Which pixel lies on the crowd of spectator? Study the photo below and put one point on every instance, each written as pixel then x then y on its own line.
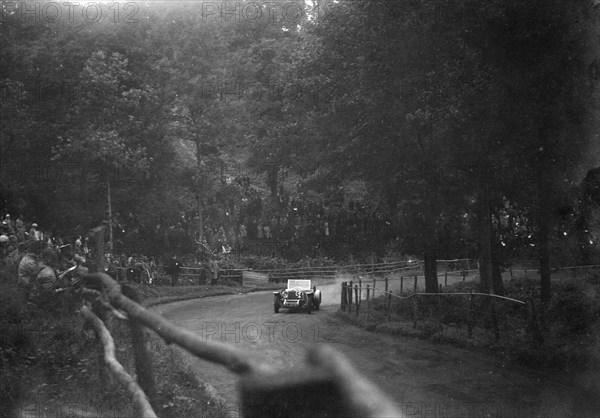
pixel 18 236
pixel 290 220
pixel 228 223
pixel 39 257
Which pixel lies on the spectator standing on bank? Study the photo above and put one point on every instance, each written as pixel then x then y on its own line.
pixel 243 233
pixel 152 269
pixel 11 225
pixel 86 247
pixel 29 267
pixel 214 269
pixel 173 270
pixel 34 234
pixel 19 224
pixel 259 231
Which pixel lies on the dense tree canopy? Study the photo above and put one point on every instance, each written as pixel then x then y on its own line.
pixel 469 126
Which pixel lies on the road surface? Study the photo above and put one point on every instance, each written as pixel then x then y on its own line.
pixel 424 379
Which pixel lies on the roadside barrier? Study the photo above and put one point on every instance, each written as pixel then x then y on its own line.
pixel 330 272
pixel 448 271
pixel 341 390
pixel 409 305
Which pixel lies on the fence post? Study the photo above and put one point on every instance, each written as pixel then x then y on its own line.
pixel 349 287
pixel 511 273
pixel 470 319
pixel 143 362
pixel 373 266
pixel 401 283
pixel 464 274
pixel 368 301
pixel 445 278
pixel 359 290
pixel 416 277
pixel 389 307
pixel 344 298
pixel 103 373
pixel 356 295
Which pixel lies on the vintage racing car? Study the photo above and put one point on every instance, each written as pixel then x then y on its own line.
pixel 299 294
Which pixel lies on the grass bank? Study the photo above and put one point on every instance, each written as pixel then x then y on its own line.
pixel 560 340
pixel 49 363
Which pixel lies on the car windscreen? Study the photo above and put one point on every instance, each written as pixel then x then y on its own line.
pixel 300 284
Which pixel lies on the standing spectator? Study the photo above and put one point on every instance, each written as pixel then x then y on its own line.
pixel 21 229
pixel 86 247
pixel 3 244
pixel 19 223
pixel 173 270
pixel 9 223
pixel 152 270
pixel 28 269
pixel 259 231
pixel 34 234
pixel 214 269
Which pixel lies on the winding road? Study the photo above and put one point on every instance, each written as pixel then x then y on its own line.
pixel 424 379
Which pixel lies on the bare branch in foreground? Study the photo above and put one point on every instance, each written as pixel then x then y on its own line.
pixel 138 395
pixel 366 399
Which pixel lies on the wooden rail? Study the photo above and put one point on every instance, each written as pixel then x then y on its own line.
pixel 352 300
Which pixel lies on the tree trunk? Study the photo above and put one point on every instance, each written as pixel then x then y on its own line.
pixel 430 253
pixel 272 172
pixel 544 203
pixel 544 252
pixel 98 239
pixel 497 284
pixel 485 240
pixel 200 218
